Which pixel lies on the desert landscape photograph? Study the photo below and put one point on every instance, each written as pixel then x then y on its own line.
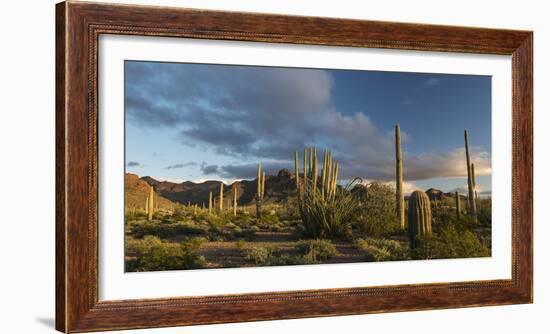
pixel 230 166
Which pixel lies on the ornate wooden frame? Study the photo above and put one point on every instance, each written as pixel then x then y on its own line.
pixel 78 25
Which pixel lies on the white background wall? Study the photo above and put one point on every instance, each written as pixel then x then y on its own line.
pixel 27 70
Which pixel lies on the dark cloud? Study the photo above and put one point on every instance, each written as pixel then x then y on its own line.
pixel 209 169
pixel 133 164
pixel 177 166
pixel 263 114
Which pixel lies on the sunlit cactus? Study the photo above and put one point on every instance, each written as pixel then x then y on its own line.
pixel 151 204
pixel 471 183
pixel 400 207
pixel 419 216
pixel 234 200
pixel 210 202
pixel 221 196
pixel 263 186
pixel 296 170
pixel 259 192
pixel 457 204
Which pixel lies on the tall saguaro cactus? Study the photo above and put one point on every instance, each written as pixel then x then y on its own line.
pixel 399 178
pixel 221 196
pixel 457 204
pixel 235 201
pixel 296 170
pixel 151 204
pixel 420 217
pixel 259 192
pixel 210 203
pixel 471 196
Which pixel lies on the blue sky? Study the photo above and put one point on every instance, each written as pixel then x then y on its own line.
pixel 198 122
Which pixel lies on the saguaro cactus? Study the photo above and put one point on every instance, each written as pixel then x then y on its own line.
pixel 399 178
pixel 471 199
pixel 296 170
pixel 235 201
pixel 263 186
pixel 420 217
pixel 151 204
pixel 457 204
pixel 476 198
pixel 210 203
pixel 259 192
pixel 221 196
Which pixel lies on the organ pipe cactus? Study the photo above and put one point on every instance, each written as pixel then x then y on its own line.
pixel 400 199
pixel 471 195
pixel 419 216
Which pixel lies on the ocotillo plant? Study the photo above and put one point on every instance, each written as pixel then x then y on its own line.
pixel 221 196
pixel 420 217
pixel 151 203
pixel 314 170
pixel 234 200
pixel 471 200
pixel 399 178
pixel 457 204
pixel 210 203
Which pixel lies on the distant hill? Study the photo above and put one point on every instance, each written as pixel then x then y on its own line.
pixel 277 188
pixel 136 191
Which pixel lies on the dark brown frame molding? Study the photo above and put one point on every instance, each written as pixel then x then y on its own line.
pixel 78 25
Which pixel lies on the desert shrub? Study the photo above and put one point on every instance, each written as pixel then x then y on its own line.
pixel 328 218
pixel 484 212
pixel 382 250
pixel 450 241
pixel 377 214
pixel 270 219
pixel 316 250
pixel 167 229
pixel 153 254
pixel 308 252
pixel 247 233
pixel 259 255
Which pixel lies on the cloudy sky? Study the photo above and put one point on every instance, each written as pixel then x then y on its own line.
pixel 197 122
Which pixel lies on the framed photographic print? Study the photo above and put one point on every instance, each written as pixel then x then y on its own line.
pixel 222 166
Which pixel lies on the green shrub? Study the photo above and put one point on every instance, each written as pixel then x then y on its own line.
pixel 167 229
pixel 450 241
pixel 377 217
pixel 316 250
pixel 153 254
pixel 382 250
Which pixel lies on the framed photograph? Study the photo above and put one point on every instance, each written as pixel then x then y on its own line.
pixel 222 167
